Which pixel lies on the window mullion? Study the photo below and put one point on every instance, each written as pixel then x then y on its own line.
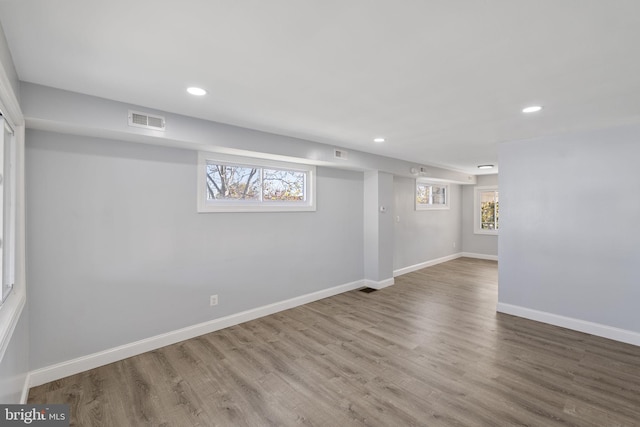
pixel 261 185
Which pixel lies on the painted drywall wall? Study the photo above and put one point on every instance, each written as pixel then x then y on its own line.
pixel 371 229
pixel 7 65
pixel 378 226
pixel 425 235
pixel 118 253
pixel 480 244
pixel 385 226
pixel 15 363
pixel 569 226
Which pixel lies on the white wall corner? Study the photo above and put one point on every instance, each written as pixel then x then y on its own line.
pixel 24 397
pixel 425 264
pixel 91 361
pixel 610 332
pixel 379 285
pixel 479 256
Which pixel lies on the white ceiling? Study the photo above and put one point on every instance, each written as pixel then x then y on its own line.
pixel 443 81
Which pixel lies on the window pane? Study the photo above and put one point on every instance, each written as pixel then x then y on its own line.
pixel 226 182
pixel 283 185
pixel 496 214
pixel 489 210
pixel 487 196
pixel 7 208
pixel 423 194
pixel 439 195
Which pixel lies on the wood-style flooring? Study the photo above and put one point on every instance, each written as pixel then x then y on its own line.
pixel 428 351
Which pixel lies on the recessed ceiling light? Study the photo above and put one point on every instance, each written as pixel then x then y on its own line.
pixel 532 109
pixel 378 140
pixel 485 167
pixel 197 91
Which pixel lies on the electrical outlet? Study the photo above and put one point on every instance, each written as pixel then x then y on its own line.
pixel 213 300
pixel 454 245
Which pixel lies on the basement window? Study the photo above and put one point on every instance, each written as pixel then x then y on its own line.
pixel 430 195
pixel 486 210
pixel 243 184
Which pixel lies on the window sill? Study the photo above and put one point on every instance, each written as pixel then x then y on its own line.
pixel 255 208
pixel 432 208
pixel 486 232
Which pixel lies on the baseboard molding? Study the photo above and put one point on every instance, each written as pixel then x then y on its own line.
pixel 379 285
pixel 479 256
pixel 420 266
pixel 616 334
pixel 91 361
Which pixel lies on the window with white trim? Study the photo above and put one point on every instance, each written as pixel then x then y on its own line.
pixel 243 184
pixel 7 208
pixel 486 210
pixel 430 195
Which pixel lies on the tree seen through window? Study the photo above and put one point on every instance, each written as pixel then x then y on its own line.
pixel 235 182
pixel 489 210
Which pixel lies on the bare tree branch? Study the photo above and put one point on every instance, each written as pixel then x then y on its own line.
pixel 246 187
pixel 213 181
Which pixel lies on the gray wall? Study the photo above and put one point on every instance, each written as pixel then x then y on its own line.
pixel 116 251
pixel 6 62
pixel 378 226
pixel 385 226
pixel 371 229
pixel 15 363
pixel 424 235
pixel 482 244
pixel 570 226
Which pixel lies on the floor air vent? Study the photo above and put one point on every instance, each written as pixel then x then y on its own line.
pixel 367 290
pixel 147 121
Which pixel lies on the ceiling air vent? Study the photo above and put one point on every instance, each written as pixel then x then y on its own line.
pixel 340 154
pixel 147 121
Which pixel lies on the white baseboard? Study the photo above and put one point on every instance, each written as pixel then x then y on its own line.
pixel 379 285
pixel 617 334
pixel 91 361
pixel 420 266
pixel 479 256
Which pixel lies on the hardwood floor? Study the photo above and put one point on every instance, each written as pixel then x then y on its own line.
pixel 428 351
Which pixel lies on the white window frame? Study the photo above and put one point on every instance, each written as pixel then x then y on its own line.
pixel 205 206
pixel 477 218
pixel 12 308
pixel 7 209
pixel 431 206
